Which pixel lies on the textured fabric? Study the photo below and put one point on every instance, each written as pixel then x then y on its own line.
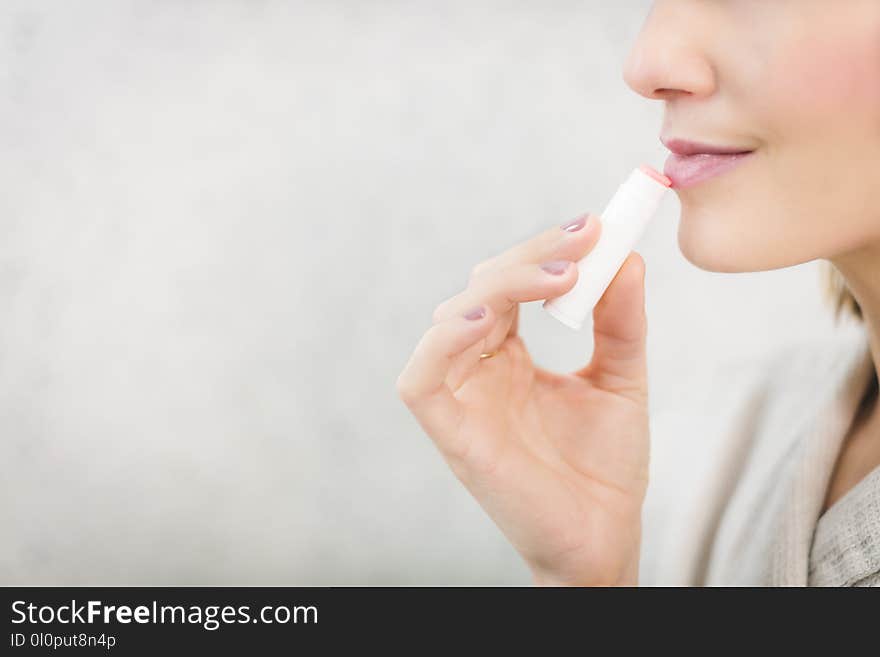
pixel 870 580
pixel 741 464
pixel 846 546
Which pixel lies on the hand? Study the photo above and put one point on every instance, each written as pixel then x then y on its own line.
pixel 558 461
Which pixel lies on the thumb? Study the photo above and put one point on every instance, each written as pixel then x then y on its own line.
pixel 619 333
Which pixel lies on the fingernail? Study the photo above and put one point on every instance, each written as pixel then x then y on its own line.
pixel 555 267
pixel 575 224
pixel 475 313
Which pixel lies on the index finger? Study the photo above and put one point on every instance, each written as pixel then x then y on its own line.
pixel 544 244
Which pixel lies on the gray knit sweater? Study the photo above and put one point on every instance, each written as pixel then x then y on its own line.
pixel 846 545
pixel 740 465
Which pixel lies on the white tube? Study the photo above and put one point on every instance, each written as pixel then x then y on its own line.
pixel 623 222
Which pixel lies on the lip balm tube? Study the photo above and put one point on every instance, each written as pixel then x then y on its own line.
pixel 624 220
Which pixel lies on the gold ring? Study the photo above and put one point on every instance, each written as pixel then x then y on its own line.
pixel 488 355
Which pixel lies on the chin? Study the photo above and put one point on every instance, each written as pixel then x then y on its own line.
pixel 705 243
pixel 721 244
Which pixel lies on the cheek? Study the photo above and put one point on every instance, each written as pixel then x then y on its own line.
pixel 813 98
pixel 822 111
pixel 816 82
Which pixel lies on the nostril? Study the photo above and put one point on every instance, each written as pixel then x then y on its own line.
pixel 666 93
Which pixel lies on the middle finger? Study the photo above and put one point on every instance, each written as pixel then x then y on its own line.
pixel 503 288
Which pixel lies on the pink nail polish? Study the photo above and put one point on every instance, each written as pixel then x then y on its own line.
pixel 475 313
pixel 555 267
pixel 575 224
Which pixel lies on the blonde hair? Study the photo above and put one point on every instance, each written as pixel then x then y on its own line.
pixel 839 294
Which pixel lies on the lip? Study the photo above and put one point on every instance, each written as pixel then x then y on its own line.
pixel 692 162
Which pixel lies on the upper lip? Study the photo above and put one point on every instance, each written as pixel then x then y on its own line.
pixel 686 147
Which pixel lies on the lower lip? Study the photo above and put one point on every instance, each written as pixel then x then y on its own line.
pixel 689 170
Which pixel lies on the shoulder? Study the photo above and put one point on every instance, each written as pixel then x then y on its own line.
pixel 768 380
pixel 710 421
pixel 807 365
pixel 795 381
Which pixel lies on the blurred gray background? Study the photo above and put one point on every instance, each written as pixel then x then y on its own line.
pixel 225 225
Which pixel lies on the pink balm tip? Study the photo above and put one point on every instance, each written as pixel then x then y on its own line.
pixel 656 175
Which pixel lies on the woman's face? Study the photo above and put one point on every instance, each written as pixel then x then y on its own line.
pixel 797 82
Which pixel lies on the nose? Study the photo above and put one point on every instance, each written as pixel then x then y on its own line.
pixel 668 59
